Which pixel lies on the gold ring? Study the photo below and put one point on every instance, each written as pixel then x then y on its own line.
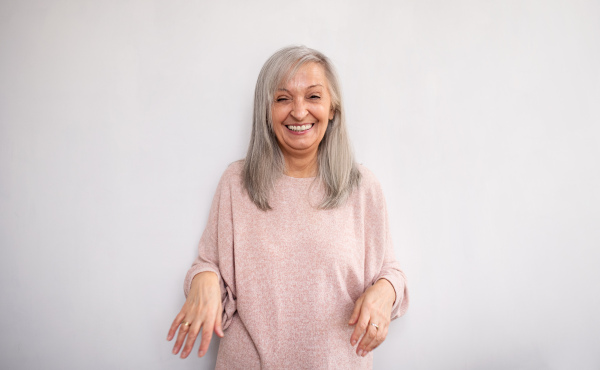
pixel 375 325
pixel 186 324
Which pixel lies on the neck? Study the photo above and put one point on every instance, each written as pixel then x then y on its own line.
pixel 301 165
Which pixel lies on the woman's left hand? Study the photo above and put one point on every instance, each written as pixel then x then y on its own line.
pixel 373 307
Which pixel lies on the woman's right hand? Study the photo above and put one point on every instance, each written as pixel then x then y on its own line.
pixel 202 310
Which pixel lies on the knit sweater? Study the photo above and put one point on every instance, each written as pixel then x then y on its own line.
pixel 290 276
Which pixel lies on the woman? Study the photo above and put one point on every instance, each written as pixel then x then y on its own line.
pixel 296 262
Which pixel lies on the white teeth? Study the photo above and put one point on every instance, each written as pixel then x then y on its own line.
pixel 300 128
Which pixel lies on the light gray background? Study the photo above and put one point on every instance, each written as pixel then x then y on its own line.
pixel 481 119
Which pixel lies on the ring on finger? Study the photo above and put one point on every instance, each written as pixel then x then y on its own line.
pixel 375 325
pixel 186 324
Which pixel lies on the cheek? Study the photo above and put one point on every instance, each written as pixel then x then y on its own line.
pixel 324 113
pixel 325 109
pixel 324 129
pixel 278 115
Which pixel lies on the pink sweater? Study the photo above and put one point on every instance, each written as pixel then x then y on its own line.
pixel 290 276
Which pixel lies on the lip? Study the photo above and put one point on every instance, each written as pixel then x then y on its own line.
pixel 300 132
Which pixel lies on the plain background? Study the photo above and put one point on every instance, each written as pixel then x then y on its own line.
pixel 481 120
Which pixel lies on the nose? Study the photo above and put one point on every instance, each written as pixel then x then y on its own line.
pixel 299 109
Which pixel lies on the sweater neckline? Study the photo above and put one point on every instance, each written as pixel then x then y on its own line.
pixel 298 178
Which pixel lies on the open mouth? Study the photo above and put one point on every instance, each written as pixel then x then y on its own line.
pixel 300 128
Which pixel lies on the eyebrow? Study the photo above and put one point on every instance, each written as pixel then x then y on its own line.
pixel 310 87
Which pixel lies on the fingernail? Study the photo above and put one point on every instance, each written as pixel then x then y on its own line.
pixel 174 352
pixel 353 341
pixel 364 353
pixel 360 352
pixel 184 354
pixel 201 353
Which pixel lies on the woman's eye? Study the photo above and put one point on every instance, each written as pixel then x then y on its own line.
pixel 315 97
pixel 283 98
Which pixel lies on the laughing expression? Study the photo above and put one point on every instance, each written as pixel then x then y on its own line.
pixel 301 111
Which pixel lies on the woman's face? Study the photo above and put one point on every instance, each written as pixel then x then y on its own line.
pixel 301 110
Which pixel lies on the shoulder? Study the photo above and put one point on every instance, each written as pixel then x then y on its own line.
pixel 233 174
pixel 369 189
pixel 234 169
pixel 368 180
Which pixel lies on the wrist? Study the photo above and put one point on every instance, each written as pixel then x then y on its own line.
pixel 204 275
pixel 389 287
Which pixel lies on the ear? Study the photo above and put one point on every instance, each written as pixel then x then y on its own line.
pixel 331 113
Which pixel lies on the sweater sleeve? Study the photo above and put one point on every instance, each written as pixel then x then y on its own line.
pixel 215 249
pixel 380 260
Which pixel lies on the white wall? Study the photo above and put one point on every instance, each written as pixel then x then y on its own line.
pixel 481 120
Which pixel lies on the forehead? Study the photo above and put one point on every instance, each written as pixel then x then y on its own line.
pixel 308 74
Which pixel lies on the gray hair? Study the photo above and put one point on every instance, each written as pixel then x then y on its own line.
pixel 264 162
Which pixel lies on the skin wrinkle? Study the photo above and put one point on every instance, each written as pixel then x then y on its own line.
pixel 305 99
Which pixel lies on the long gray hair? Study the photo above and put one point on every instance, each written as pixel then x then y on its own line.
pixel 265 163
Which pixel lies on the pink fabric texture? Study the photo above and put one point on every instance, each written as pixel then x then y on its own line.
pixel 290 276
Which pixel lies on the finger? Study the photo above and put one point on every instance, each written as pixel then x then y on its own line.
pixel 218 323
pixel 175 325
pixel 381 337
pixel 183 330
pixel 362 348
pixel 191 338
pixel 207 330
pixel 356 311
pixel 361 326
pixel 368 346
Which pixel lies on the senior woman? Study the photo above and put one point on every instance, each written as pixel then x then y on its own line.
pixel 295 268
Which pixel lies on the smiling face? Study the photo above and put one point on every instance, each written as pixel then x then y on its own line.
pixel 301 110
